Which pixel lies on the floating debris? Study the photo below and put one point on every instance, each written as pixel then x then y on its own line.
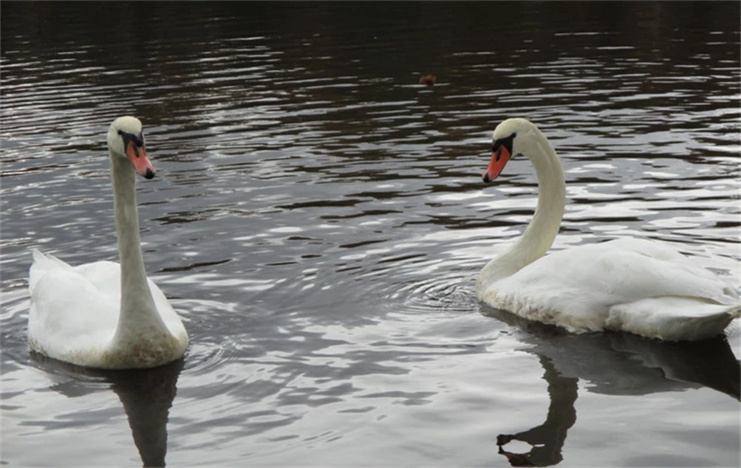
pixel 428 80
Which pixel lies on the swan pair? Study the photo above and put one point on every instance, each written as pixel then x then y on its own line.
pixel 103 315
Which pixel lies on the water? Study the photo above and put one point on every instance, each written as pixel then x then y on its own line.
pixel 318 220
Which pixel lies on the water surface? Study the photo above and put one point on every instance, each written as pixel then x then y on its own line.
pixel 318 220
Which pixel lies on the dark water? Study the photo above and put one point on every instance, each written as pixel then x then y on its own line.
pixel 318 220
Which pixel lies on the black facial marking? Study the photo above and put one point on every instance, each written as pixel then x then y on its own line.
pixel 138 140
pixel 507 142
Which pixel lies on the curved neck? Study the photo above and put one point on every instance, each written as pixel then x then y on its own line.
pixel 543 228
pixel 137 305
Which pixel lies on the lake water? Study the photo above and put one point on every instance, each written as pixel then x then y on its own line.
pixel 318 220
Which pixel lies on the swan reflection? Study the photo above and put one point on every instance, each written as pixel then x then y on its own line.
pixel 146 395
pixel 612 364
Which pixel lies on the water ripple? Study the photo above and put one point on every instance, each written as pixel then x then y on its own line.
pixel 318 220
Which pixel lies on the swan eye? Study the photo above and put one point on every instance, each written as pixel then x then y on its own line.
pixel 507 142
pixel 127 137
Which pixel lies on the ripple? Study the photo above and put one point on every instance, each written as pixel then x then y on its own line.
pixel 451 294
pixel 318 219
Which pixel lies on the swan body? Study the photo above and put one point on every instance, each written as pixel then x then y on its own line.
pixel 634 285
pixel 102 314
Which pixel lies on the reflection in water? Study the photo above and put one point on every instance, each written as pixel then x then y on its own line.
pixel 548 438
pixel 318 207
pixel 613 364
pixel 146 395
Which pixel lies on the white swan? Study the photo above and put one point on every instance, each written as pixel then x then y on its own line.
pixel 633 285
pixel 101 315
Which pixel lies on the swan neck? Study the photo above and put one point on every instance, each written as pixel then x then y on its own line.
pixel 137 303
pixel 543 228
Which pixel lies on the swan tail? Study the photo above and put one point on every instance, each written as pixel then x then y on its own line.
pixel 42 263
pixel 673 318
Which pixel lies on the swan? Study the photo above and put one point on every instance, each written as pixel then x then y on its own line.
pixel 102 315
pixel 633 285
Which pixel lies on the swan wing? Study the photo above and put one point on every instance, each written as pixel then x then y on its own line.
pixel 614 284
pixel 167 312
pixel 673 318
pixel 68 312
pixel 106 277
pixel 637 268
pixel 74 310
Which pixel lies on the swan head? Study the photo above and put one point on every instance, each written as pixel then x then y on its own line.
pixel 126 140
pixel 513 137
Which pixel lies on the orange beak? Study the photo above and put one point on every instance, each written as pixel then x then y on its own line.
pixel 498 160
pixel 138 157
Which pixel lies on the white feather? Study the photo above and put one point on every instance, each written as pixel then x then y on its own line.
pixel 639 286
pixel 79 314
